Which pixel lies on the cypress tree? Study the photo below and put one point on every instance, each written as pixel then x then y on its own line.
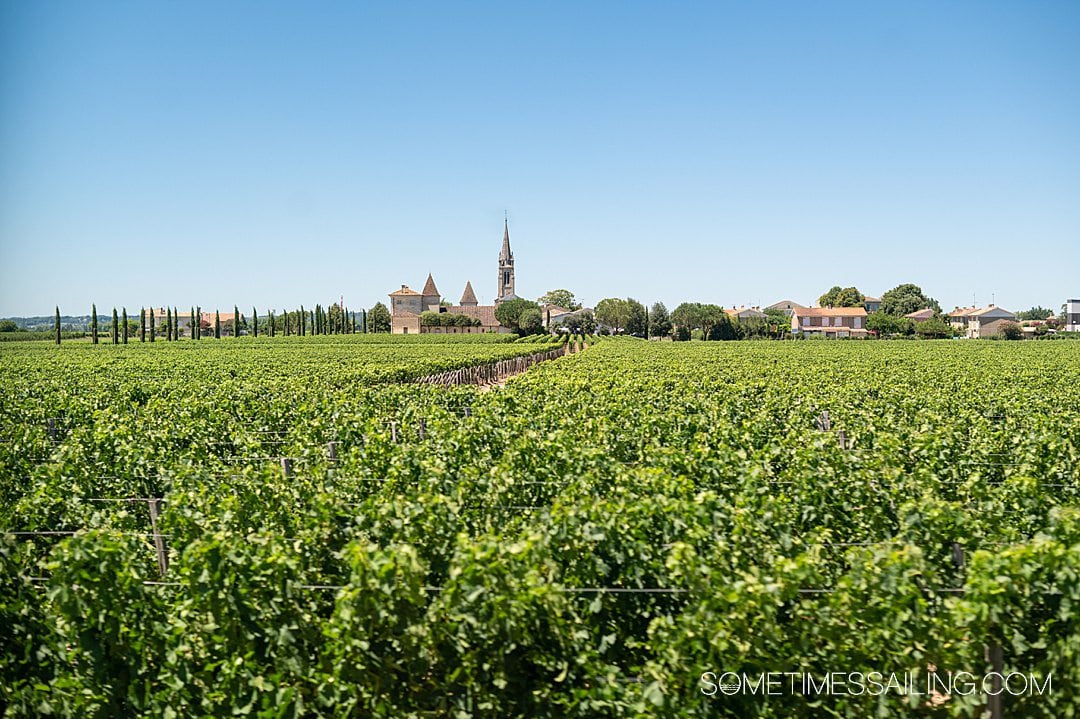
pixel 198 322
pixel 192 325
pixel 93 323
pixel 313 321
pixel 235 321
pixel 115 328
pixel 303 321
pixel 363 319
pixel 142 324
pixel 125 321
pixel 57 325
pixel 270 319
pixel 255 321
pixel 168 324
pixel 153 315
pixel 217 325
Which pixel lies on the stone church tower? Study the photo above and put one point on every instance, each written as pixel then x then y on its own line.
pixel 506 269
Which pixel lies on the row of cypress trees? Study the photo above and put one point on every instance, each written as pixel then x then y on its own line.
pixel 319 321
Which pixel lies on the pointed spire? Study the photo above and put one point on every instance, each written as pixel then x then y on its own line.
pixel 430 290
pixel 468 297
pixel 506 254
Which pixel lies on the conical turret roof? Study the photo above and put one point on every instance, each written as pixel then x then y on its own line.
pixel 430 290
pixel 468 297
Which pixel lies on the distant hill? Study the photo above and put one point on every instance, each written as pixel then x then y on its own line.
pixel 68 323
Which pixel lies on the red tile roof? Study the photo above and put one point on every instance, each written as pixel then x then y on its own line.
pixel 830 311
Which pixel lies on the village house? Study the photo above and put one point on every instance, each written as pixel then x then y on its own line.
pixel 1072 316
pixel 786 306
pixel 832 322
pixel 976 322
pixel 745 313
pixel 920 315
pixel 871 304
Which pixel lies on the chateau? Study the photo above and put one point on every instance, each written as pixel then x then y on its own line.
pixel 407 306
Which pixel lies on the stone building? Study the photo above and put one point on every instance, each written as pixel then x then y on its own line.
pixel 407 305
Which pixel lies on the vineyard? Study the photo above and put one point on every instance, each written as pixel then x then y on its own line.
pixel 304 527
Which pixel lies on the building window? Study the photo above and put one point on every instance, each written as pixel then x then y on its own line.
pixel 858 322
pixel 805 321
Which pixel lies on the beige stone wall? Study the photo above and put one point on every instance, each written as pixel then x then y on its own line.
pixel 405 325
pixel 409 303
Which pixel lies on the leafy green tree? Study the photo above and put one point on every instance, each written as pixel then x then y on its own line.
pixel 93 323
pixel 886 325
pixel 613 312
pixel 659 320
pixel 1035 313
pixel 8 326
pixel 933 328
pixel 637 318
pixel 336 318
pixel 581 322
pixel 686 318
pixel 560 298
pixel 779 322
pixel 718 325
pixel 842 297
pixel 905 299
pixel 530 322
pixel 378 319
pixel 509 313
pixel 1011 331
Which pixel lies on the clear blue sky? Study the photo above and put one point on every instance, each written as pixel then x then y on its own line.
pixel 274 154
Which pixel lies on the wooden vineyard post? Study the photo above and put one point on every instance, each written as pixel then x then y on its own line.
pixel 331 449
pixel 53 434
pixel 159 541
pixel 393 432
pixel 286 467
pixel 423 429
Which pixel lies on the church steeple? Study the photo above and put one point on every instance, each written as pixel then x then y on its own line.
pixel 506 254
pixel 506 268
